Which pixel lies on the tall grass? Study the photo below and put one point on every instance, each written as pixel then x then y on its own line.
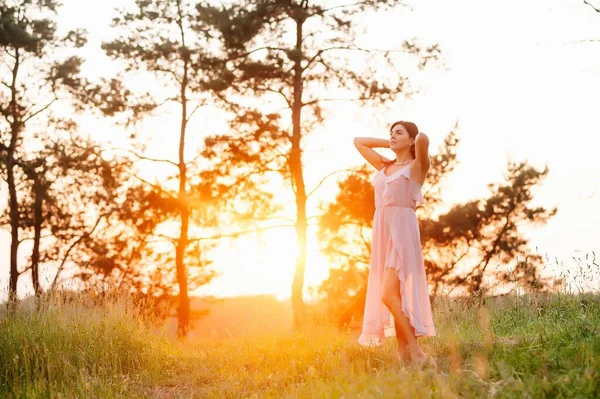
pixel 519 345
pixel 71 347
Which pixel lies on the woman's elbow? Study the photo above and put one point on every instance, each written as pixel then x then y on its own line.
pixel 422 139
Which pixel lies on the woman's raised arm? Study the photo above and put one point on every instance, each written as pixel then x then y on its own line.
pixel 422 152
pixel 422 162
pixel 365 146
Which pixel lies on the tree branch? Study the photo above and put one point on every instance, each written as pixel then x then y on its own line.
pixel 316 100
pixel 167 71
pixel 492 251
pixel 358 3
pixel 73 245
pixel 323 179
pixel 202 104
pixel 322 51
pixel 32 238
pixel 191 162
pixel 367 244
pixel 144 157
pixel 584 41
pixel 166 237
pixel 279 92
pixel 453 265
pixel 589 4
pixel 261 168
pixel 39 111
pixel 261 48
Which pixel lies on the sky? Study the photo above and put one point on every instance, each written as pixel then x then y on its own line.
pixel 522 79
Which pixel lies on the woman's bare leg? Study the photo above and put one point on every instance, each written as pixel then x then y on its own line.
pixel 401 340
pixel 391 298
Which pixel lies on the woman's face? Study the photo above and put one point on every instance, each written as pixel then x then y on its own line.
pixel 399 138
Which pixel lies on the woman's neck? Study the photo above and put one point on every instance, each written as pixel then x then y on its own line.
pixel 403 157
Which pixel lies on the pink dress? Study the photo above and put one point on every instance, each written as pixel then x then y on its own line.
pixel 396 243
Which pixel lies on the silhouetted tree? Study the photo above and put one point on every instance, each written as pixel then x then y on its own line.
pixel 165 41
pixel 485 229
pixel 33 78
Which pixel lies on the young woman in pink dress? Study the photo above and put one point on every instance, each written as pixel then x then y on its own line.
pixel 397 292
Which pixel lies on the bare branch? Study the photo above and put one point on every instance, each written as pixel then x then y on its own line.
pixel 154 186
pixel 316 100
pixel 262 48
pixel 491 252
pixel 323 51
pixel 202 104
pixel 40 110
pixel 319 54
pixel 73 245
pixel 589 4
pixel 324 178
pixel 144 157
pixel 584 41
pixel 364 240
pixel 169 72
pixel 309 35
pixel 195 159
pixel 461 256
pixel 358 3
pixel 261 168
pixel 279 92
pixel 166 237
pixel 32 238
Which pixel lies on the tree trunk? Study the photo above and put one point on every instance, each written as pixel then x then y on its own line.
pixel 183 312
pixel 14 223
pixel 13 203
pixel 184 303
pixel 298 306
pixel 37 226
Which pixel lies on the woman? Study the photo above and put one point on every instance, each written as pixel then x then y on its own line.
pixel 397 287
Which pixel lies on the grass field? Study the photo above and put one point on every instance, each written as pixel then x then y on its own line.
pixel 514 346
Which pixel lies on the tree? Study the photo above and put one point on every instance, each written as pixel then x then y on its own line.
pixel 35 80
pixel 165 42
pixel 158 37
pixel 68 189
pixel 458 245
pixel 285 56
pixel 484 229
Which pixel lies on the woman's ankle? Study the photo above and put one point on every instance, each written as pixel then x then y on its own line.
pixel 415 350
